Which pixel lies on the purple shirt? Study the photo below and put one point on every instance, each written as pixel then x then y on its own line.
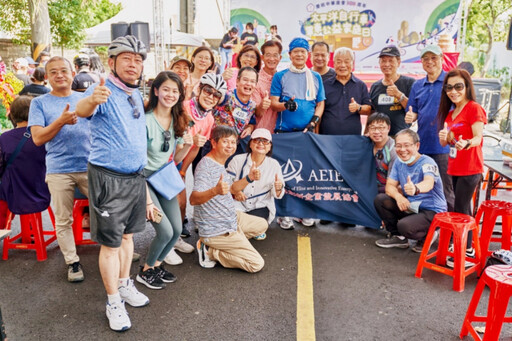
pixel 23 182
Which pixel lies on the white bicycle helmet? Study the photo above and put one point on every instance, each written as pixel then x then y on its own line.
pixel 215 81
pixel 127 44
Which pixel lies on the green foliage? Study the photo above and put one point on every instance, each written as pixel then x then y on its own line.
pixel 68 19
pixel 5 123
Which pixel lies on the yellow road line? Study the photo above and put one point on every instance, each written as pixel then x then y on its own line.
pixel 305 301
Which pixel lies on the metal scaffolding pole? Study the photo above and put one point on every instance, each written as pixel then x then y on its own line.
pixel 158 29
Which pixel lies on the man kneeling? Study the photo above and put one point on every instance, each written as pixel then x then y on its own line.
pixel 223 230
pixel 414 194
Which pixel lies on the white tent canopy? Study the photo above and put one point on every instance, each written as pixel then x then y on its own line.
pixel 133 11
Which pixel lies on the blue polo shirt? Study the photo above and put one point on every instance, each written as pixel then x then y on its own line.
pixel 285 85
pixel 424 99
pixel 337 119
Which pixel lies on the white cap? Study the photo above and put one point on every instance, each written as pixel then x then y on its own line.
pixel 22 61
pixel 261 133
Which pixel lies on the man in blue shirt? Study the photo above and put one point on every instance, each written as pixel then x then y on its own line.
pixel 53 122
pixel 423 105
pixel 414 194
pixel 346 98
pixel 117 189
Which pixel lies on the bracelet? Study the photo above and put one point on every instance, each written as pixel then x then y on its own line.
pixel 402 98
pixel 417 190
pixel 151 203
pixel 248 179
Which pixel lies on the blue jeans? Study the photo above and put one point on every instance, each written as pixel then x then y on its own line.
pixel 225 57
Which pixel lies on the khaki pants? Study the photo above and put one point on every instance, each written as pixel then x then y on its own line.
pixel 62 189
pixel 233 250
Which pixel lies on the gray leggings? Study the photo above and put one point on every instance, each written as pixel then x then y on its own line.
pixel 167 231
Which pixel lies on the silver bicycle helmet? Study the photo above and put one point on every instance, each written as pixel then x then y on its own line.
pixel 127 44
pixel 215 81
pixel 82 59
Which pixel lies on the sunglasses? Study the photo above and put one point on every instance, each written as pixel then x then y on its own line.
pixel 379 155
pixel 136 113
pixel 264 142
pixel 458 87
pixel 167 138
pixel 211 91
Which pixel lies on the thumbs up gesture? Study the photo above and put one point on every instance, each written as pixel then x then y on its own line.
pixel 265 102
pixel 443 134
pixel 222 187
pixel 410 116
pixel 68 117
pixel 101 93
pixel 278 185
pixel 461 143
pixel 187 139
pixel 392 90
pixel 353 106
pixel 409 187
pixel 199 140
pixel 254 173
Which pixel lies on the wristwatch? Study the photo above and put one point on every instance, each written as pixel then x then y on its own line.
pixel 469 144
pixel 402 98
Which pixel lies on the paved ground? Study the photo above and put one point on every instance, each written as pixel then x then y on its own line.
pixel 361 292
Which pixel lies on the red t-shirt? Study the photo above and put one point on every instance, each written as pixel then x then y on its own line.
pixel 467 161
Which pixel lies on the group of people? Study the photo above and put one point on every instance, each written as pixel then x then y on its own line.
pixel 107 141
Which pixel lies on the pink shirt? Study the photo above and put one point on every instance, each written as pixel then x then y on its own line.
pixel 268 120
pixel 204 124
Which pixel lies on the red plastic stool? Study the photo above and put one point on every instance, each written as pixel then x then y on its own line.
pixel 499 280
pixel 491 210
pixel 78 216
pixel 32 235
pixel 458 225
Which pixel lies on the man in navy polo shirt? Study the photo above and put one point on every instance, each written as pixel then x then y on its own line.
pixel 346 98
pixel 423 105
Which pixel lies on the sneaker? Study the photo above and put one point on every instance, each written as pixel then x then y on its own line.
pixel 150 278
pixel 419 244
pixel 285 223
pixel 75 273
pixel 204 259
pixel 260 237
pixel 132 296
pixel 393 241
pixel 185 233
pixel 118 316
pixel 135 257
pixel 467 264
pixel 173 258
pixel 183 246
pixel 308 222
pixel 165 275
pixel 325 222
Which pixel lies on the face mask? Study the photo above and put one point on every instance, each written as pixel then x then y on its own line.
pixel 408 162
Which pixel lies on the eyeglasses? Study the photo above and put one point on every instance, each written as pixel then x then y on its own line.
pixel 136 113
pixel 271 55
pixel 203 58
pixel 404 146
pixel 458 87
pixel 264 142
pixel 248 80
pixel 249 56
pixel 167 138
pixel 430 59
pixel 377 128
pixel 212 92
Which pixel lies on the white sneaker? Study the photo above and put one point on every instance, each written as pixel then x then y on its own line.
pixel 132 296
pixel 308 222
pixel 204 259
pixel 183 246
pixel 118 316
pixel 173 258
pixel 285 223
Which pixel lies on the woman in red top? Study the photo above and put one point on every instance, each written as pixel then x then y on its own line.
pixel 463 123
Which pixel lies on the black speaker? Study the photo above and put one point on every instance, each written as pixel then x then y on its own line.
pixel 509 40
pixel 141 31
pixel 119 29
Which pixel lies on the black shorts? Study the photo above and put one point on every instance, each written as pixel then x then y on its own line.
pixel 117 204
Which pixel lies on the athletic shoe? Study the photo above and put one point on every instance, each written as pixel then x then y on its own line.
pixel 117 315
pixel 173 258
pixel 467 264
pixel 325 222
pixel 394 241
pixel 132 296
pixel 185 233
pixel 260 237
pixel 150 278
pixel 75 272
pixel 183 246
pixel 165 275
pixel 286 223
pixel 419 244
pixel 204 259
pixel 308 222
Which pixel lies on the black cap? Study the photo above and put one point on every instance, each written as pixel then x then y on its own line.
pixel 391 51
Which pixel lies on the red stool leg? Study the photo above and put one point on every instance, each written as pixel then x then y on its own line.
pixel 444 243
pixel 470 314
pixel 35 222
pixel 424 251
pixel 459 257
pixel 506 231
pixel 497 308
pixel 489 220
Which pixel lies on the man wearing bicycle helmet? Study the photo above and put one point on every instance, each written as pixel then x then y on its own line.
pixel 117 189
pixel 84 78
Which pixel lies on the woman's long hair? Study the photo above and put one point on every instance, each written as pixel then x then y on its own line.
pixel 180 118
pixel 201 49
pixel 246 49
pixel 446 103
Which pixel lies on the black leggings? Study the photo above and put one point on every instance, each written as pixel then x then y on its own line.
pixel 262 212
pixel 464 187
